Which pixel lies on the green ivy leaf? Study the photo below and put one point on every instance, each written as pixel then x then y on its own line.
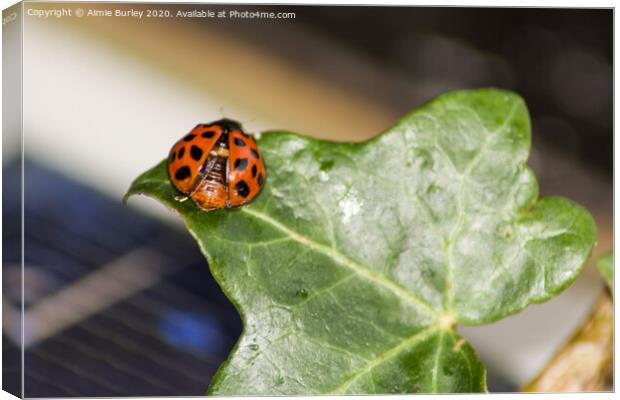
pixel 353 266
pixel 605 265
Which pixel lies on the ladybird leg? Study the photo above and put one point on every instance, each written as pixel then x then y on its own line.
pixel 208 165
pixel 181 199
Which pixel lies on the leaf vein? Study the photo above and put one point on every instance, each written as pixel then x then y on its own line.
pixel 436 364
pixel 459 349
pixel 448 291
pixel 385 356
pixel 346 262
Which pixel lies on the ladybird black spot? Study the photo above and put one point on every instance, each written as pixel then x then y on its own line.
pixel 239 142
pixel 254 170
pixel 255 153
pixel 241 164
pixel 182 173
pixel 260 180
pixel 181 152
pixel 195 152
pixel 208 134
pixel 189 137
pixel 242 189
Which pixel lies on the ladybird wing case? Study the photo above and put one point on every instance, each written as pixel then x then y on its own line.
pixel 246 169
pixel 188 155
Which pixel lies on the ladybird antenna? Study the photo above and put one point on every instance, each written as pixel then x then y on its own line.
pixel 222 113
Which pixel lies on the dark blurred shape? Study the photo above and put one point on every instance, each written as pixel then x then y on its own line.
pixel 166 338
pixel 449 60
pixel 575 77
pixel 559 60
pixel 11 281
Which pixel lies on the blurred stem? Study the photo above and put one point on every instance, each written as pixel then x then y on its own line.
pixel 585 363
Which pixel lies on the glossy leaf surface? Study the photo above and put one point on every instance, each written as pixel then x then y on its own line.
pixel 353 266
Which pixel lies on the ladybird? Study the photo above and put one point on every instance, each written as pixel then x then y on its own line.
pixel 217 165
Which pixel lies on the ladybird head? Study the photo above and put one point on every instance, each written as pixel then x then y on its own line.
pixel 228 124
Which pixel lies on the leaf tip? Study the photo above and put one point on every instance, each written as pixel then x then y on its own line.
pixel 126 198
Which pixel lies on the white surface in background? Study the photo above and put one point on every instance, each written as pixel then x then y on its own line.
pixel 103 118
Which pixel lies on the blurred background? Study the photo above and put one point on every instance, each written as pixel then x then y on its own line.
pixel 118 299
